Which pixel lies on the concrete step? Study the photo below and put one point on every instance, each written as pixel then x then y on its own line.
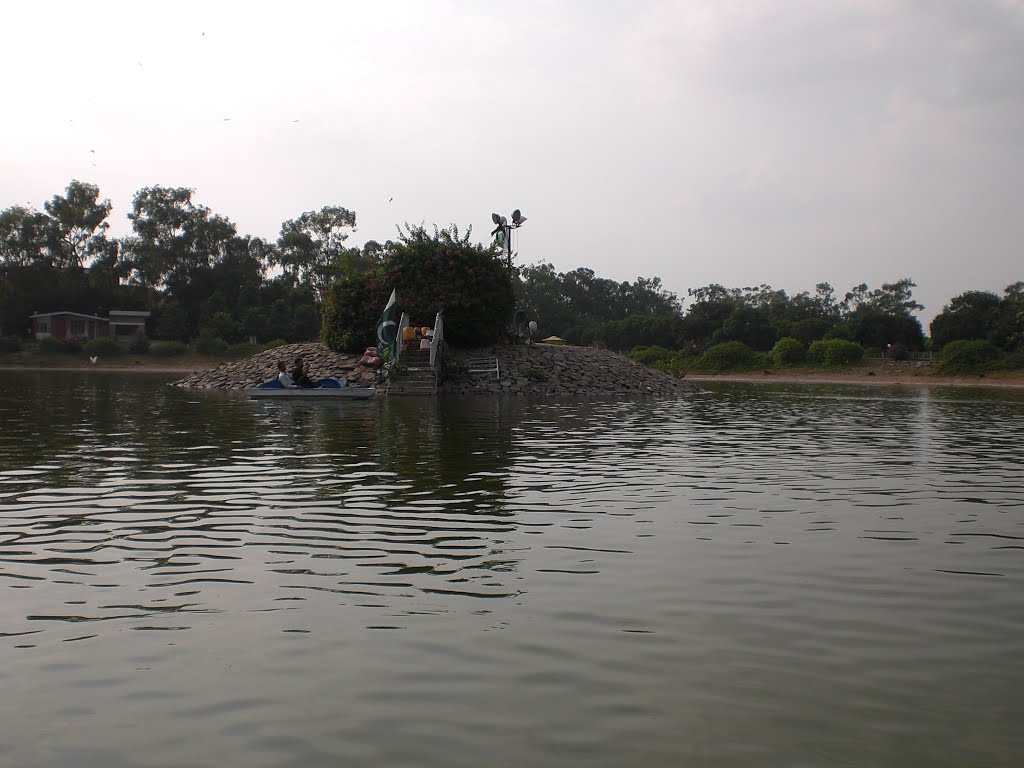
pixel 399 389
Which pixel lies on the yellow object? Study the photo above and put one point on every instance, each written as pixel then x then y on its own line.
pixel 424 330
pixel 409 334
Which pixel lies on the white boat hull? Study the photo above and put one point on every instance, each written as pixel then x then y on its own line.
pixel 356 393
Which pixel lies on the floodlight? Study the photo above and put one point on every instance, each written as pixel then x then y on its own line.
pixel 496 218
pixel 516 215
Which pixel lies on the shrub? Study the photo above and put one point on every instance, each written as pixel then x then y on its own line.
pixel 102 346
pixel 727 356
pixel 471 284
pixel 10 344
pixel 50 346
pixel 969 356
pixel 788 351
pixel 835 352
pixel 139 344
pixel 168 349
pixel 221 325
pixel 898 351
pixel 651 355
pixel 274 343
pixel 535 374
pixel 211 346
pixel 243 349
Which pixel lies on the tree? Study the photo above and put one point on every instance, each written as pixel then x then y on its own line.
pixel 25 238
pixel 176 245
pixel 79 221
pixel 312 247
pixel 890 299
pixel 971 315
pixel 442 272
pixel 174 238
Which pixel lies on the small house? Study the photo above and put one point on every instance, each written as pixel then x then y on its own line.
pixel 122 325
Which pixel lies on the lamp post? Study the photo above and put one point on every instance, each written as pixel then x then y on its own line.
pixel 503 231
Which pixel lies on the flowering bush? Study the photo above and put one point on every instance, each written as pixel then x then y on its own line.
pixel 435 273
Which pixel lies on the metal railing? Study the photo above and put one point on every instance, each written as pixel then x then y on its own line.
pixel 402 325
pixel 438 340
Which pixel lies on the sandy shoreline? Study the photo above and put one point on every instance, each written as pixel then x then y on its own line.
pixel 140 368
pixel 1002 380
pixel 782 377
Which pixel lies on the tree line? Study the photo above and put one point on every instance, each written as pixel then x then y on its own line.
pixel 583 309
pixel 186 264
pixel 199 277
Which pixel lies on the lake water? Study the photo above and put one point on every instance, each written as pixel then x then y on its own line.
pixel 761 575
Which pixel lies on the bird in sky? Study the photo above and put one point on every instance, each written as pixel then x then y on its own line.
pixel 295 121
pixel 390 199
pixel 93 151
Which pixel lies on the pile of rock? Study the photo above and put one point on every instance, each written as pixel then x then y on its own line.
pixel 263 366
pixel 539 369
pixel 543 369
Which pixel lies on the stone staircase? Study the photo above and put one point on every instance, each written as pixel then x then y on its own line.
pixel 416 378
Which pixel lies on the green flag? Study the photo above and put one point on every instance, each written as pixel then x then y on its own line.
pixel 387 328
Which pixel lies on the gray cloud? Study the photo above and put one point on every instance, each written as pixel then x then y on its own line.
pixel 732 142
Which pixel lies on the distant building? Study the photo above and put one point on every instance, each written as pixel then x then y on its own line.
pixel 122 325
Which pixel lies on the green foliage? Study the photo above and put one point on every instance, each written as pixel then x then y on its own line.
pixel 351 308
pixel 662 330
pixel 649 356
pixel 139 344
pixel 311 248
pixel 171 322
pixel 431 273
pixel 664 360
pixel 274 343
pixel 872 327
pixel 727 356
pixel 535 374
pixel 221 325
pixel 51 346
pixel 559 302
pixel 168 349
pixel 788 351
pixel 834 353
pixel 969 356
pixel 1013 362
pixel 209 345
pixel 10 344
pixel 897 351
pixel 809 329
pixel 102 346
pixel 243 349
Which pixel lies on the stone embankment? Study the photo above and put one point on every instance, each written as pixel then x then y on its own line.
pixel 542 369
pixel 239 374
pixel 539 369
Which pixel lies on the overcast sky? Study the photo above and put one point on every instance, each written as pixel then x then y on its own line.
pixel 788 142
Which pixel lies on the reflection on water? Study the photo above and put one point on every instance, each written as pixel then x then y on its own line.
pixel 769 575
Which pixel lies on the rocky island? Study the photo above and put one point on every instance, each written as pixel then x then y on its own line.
pixel 538 369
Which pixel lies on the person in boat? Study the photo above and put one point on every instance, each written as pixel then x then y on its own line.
pixel 282 375
pixel 300 374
